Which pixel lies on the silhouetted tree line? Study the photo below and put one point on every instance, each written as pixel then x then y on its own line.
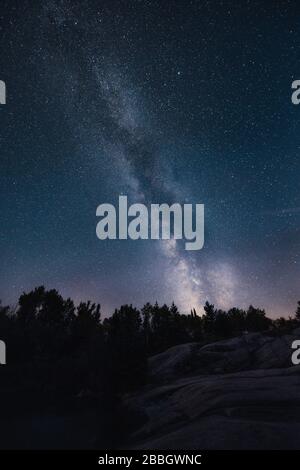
pixel 70 350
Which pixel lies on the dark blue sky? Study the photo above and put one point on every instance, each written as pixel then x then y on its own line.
pixel 184 101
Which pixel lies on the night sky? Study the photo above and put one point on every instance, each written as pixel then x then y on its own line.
pixel 186 101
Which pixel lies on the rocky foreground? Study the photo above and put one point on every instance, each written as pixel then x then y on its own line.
pixel 242 393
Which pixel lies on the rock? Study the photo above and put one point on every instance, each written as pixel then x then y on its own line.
pixel 251 351
pixel 246 410
pixel 240 393
pixel 172 361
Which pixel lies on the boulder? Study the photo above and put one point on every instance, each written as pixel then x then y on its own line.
pixel 241 393
pixel 246 352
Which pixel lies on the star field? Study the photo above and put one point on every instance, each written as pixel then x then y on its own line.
pixel 164 102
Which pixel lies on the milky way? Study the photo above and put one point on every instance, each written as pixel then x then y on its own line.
pixel 174 102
